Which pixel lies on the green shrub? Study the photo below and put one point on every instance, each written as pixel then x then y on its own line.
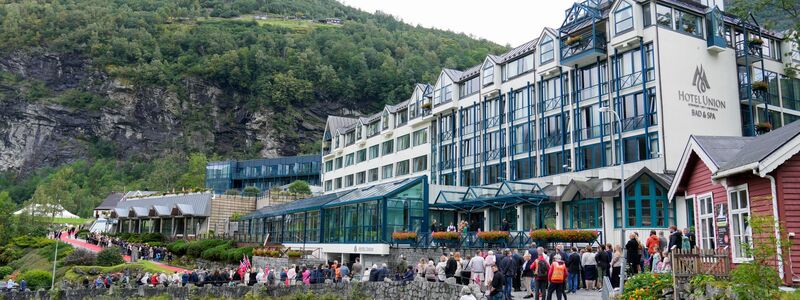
pixel 217 253
pixel 82 234
pixel 755 281
pixel 196 248
pixel 36 279
pixel 236 254
pixel 27 241
pixel 299 187
pixel 80 257
pixel 251 191
pixel 9 254
pixel 109 257
pixel 5 271
pixel 646 286
pixel 154 237
pixel 178 247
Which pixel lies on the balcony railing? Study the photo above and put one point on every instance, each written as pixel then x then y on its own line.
pixel 517 239
pixel 492 154
pixel 592 132
pixel 636 122
pixel 519 113
pixel 587 42
pixel 629 80
pixel 556 139
pixel 551 104
pixel 493 121
pixel 446 164
pixel 743 49
pixel 446 136
pixel 591 92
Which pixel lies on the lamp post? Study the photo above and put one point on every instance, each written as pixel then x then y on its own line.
pixel 622 185
pixel 55 255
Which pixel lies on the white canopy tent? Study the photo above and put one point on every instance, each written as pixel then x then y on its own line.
pixel 47 211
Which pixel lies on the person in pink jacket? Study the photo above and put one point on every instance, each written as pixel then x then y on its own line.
pixel 306 276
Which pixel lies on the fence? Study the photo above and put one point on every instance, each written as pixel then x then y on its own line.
pixel 688 263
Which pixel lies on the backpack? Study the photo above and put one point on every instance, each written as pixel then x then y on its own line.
pixel 558 273
pixel 541 268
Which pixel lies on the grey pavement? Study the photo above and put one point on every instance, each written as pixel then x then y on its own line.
pixel 579 295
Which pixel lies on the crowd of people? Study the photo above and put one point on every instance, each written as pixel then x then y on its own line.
pixel 134 250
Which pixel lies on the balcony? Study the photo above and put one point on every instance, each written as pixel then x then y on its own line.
pixel 583 48
pixel 551 104
pixel 592 132
pixel 554 139
pixel 747 53
pixel 493 121
pixel 492 154
pixel 446 136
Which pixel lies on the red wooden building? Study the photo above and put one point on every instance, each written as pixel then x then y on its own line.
pixel 724 180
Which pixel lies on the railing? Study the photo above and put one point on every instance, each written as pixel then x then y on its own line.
pixel 517 240
pixel 689 263
pixel 445 136
pixel 492 154
pixel 551 104
pixel 519 113
pixel 587 41
pixel 743 48
pixel 553 140
pixel 590 92
pixel 626 81
pixel 493 121
pixel 446 164
pixel 592 132
pixel 636 122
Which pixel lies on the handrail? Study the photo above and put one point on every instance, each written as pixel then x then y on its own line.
pixel 518 239
pixel 585 41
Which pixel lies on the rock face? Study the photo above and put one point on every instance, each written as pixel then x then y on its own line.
pixel 140 121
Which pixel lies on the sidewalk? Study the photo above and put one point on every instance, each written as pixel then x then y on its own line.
pixel 96 248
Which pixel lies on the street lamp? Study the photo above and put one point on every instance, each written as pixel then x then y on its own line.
pixel 55 255
pixel 604 109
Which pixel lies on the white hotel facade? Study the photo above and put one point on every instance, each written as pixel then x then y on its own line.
pixel 668 68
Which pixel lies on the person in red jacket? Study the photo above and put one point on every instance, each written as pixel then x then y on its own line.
pixel 652 244
pixel 557 275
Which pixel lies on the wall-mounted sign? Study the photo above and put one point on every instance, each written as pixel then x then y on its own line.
pixel 723 232
pixel 701 105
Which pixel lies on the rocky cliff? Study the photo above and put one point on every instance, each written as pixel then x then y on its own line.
pixel 43 121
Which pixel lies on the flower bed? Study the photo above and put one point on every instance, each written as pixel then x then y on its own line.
pixel 760 85
pixel 445 236
pixel 566 235
pixel 294 254
pixel 268 252
pixel 404 236
pixel 494 236
pixel 647 286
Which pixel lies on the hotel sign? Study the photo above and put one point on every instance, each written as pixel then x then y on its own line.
pixel 701 105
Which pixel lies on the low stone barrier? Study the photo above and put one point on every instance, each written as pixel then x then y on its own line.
pixel 368 290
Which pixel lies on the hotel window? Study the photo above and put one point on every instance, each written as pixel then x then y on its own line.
pixel 338 163
pixel 385 120
pixel 348 180
pixel 646 15
pixel 521 109
pixel 361 177
pixel 583 214
pixel 361 155
pixel 546 48
pixel 647 205
pixel 388 147
pixel 328 185
pixel 421 163
pixel 348 160
pixel 374 151
pixel 689 23
pixel 373 129
pixel 488 74
pixel 403 142
pixel 524 168
pixel 373 175
pixel 635 149
pixel 358 132
pixel 401 118
pixel 350 138
pixel 624 18
pixel 470 177
pixel 522 141
pixel 469 87
pixel 554 163
pixel 420 137
pixel 706 216
pixel 740 222
pixel 338 183
pixel 494 173
pixel 590 83
pixel 664 16
pixel 590 157
pixel 387 171
pixel 517 67
pixel 402 168
pixel 329 166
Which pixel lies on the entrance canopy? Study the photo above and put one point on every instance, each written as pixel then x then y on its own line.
pixel 509 193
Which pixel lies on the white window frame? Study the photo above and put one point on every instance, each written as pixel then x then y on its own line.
pixel 748 231
pixel 700 216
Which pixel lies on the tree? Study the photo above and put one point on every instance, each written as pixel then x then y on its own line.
pixel 251 191
pixel 195 172
pixel 299 187
pixel 6 209
pixel 109 257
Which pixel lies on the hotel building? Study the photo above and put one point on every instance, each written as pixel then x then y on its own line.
pixel 521 136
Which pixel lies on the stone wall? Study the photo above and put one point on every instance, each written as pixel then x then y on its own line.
pixel 368 290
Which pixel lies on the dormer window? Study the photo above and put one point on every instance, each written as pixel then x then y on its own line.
pixel 624 18
pixel 488 74
pixel 546 55
pixel 385 120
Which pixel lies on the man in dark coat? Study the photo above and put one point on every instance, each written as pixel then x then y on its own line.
pixel 633 254
pixel 675 238
pixel 508 267
pixel 450 267
pixel 518 274
pixel 574 270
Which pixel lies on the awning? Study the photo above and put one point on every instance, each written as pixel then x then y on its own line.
pixel 509 193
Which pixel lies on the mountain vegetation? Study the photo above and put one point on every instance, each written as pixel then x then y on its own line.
pixel 190 80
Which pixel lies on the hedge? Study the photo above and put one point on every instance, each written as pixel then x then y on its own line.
pixel 236 254
pixel 48 251
pixel 5 271
pixel 178 247
pixel 109 257
pixel 217 253
pixel 196 248
pixel 36 279
pixel 80 257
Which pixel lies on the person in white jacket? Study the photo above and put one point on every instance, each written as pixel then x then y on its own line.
pixel 488 262
pixel 440 275
pixel 261 277
pixel 291 274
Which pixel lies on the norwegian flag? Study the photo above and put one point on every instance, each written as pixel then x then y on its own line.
pixel 247 262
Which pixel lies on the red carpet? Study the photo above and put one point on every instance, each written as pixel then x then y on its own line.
pixel 96 248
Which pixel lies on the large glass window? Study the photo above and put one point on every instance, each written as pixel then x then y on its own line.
pixel 494 173
pixel 329 166
pixel 401 118
pixel 361 155
pixel 517 67
pixel 388 147
pixel 498 216
pixel 524 168
pixel 348 180
pixel 624 18
pixel 373 129
pixel 373 174
pixel 348 160
pixel 488 73
pixel 469 87
pixel 689 23
pixel 554 163
pixel 361 177
pixel 522 139
pixel 374 151
pixel 421 163
pixel 387 171
pixel 420 137
pixel 470 177
pixel 583 214
pixel 339 163
pixel 546 50
pixel 403 142
pixel 741 233
pixel 647 205
pixel 664 16
pixel 402 168
pixel 706 216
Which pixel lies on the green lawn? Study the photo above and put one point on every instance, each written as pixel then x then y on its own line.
pixel 71 221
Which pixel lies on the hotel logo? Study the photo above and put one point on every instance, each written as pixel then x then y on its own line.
pixel 700 81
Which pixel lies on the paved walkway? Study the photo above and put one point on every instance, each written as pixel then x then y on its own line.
pixel 580 295
pixel 95 248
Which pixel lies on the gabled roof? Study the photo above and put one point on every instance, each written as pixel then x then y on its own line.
pixel 335 123
pixel 110 201
pixel 592 188
pixel 664 180
pixel 726 156
pixel 196 204
pixel 453 74
pixel 518 51
pixel 470 73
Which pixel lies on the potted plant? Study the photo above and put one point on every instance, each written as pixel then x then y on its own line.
pixel 403 236
pixel 566 235
pixel 760 86
pixel 763 127
pixel 426 105
pixel 756 42
pixel 573 41
pixel 493 236
pixel 443 236
pixel 294 254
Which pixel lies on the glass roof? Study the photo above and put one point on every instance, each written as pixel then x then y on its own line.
pixel 509 192
pixel 375 191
